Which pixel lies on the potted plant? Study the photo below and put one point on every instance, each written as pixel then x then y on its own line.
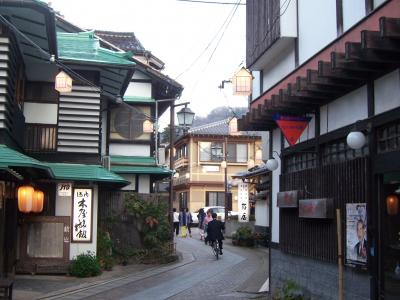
pixel 245 236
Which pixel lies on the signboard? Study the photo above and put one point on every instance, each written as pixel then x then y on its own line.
pixel 316 208
pixel 243 202
pixel 210 169
pixel 356 233
pixel 291 126
pixel 82 215
pixel 288 199
pixel 64 189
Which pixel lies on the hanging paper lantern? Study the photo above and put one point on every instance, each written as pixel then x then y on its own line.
pixel 25 198
pixel 392 204
pixel 147 126
pixel 242 82
pixel 63 83
pixel 37 203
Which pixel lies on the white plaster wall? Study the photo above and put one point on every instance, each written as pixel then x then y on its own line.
pixel 279 67
pixel 378 2
pixel 353 11
pixel 317 26
pixel 140 75
pixel 64 208
pixel 344 111
pixel 132 179
pixel 387 92
pixel 42 113
pixel 139 89
pixel 256 84
pixel 144 184
pixel 288 19
pixel 276 146
pixel 129 150
pixel 262 213
pixel 103 133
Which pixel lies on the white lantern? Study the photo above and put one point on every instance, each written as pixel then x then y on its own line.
pixel 63 82
pixel 233 128
pixel 356 140
pixel 147 126
pixel 242 82
pixel 223 164
pixel 272 164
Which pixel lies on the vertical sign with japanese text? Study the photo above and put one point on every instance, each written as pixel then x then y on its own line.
pixel 243 202
pixel 82 215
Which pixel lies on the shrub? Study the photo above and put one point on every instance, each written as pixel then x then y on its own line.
pixel 85 265
pixel 104 250
pixel 244 233
pixel 289 291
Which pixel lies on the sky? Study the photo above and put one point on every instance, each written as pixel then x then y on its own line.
pixel 193 38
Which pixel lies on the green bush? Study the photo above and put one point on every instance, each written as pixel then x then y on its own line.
pixel 289 291
pixel 244 233
pixel 104 250
pixel 85 265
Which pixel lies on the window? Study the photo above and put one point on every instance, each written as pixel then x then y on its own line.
pixel 182 151
pixel 389 138
pixel 237 153
pixel 127 124
pixel 210 151
pixel 215 199
pixel 339 151
pixel 183 200
pixel 300 161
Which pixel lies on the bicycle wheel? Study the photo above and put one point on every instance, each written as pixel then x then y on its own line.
pixel 215 249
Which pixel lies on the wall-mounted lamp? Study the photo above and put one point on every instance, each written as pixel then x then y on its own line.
pixel 63 82
pixel 272 163
pixel 356 140
pixel 223 164
pixel 242 82
pixel 392 204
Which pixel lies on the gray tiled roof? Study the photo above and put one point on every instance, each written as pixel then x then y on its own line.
pixel 126 41
pixel 218 128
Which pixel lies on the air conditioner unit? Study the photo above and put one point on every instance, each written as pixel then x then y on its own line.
pixel 106 162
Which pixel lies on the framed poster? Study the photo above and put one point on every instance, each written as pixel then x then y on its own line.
pixel 356 234
pixel 82 215
pixel 243 202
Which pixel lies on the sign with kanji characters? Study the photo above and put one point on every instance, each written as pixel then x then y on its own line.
pixel 291 126
pixel 82 215
pixel 64 189
pixel 243 202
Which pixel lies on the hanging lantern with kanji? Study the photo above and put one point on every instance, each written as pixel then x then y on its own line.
pixel 242 82
pixel 63 82
pixel 25 198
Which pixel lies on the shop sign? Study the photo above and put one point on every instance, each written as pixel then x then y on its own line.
pixel 82 215
pixel 288 199
pixel 243 202
pixel 64 189
pixel 210 169
pixel 316 208
pixel 356 234
pixel 291 126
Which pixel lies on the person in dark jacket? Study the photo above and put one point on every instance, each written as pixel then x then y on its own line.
pixel 200 216
pixel 214 231
pixel 189 221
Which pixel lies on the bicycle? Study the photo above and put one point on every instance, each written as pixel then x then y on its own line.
pixel 215 248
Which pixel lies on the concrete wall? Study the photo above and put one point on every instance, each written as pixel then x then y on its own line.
pixel 233 225
pixel 64 208
pixel 319 279
pixel 144 184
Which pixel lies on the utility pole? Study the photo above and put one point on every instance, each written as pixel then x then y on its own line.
pixel 171 161
pixel 226 177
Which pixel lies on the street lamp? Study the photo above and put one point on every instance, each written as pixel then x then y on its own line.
pixel 185 117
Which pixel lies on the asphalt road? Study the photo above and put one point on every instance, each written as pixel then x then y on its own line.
pixel 238 274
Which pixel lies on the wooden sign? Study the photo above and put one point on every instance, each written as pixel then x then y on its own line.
pixel 316 208
pixel 82 215
pixel 243 202
pixel 289 199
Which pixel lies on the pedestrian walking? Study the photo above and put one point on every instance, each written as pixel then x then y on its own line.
pixel 207 219
pixel 183 222
pixel 189 221
pixel 176 221
pixel 200 216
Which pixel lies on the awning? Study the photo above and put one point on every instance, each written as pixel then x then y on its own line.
pixel 138 165
pixel 81 172
pixel 14 161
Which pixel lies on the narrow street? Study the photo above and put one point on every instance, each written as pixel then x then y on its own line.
pixel 239 274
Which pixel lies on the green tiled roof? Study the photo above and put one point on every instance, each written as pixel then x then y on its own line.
pixel 85 47
pixel 96 173
pixel 10 158
pixel 140 170
pixel 133 160
pixel 138 99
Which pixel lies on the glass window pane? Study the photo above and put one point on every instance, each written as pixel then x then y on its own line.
pixel 231 152
pixel 205 151
pixel 241 152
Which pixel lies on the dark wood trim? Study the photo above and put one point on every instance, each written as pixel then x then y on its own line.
pixel 369 6
pixel 339 17
pixel 91 217
pixel 296 41
pixel 130 142
pixel 142 80
pixel 371 98
pixel 261 82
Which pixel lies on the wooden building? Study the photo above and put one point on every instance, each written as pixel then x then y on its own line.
pixel 336 62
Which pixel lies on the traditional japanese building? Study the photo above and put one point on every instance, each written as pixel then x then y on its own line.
pixel 335 63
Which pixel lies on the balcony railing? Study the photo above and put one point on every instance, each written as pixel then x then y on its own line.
pixel 181 162
pixel 180 180
pixel 41 138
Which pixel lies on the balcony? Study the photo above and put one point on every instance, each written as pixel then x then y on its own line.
pixel 180 180
pixel 181 162
pixel 40 138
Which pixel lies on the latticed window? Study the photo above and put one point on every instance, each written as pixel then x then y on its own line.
pixel 389 138
pixel 339 151
pixel 300 161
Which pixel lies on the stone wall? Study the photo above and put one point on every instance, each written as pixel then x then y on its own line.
pixel 318 279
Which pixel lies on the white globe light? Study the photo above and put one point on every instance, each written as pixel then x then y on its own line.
pixel 356 140
pixel 272 164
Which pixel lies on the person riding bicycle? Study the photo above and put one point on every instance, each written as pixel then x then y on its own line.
pixel 214 231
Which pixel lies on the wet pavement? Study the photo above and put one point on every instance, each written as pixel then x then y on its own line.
pixel 240 274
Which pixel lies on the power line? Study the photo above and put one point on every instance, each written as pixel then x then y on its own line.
pixel 211 2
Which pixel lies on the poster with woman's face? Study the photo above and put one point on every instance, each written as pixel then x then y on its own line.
pixel 356 233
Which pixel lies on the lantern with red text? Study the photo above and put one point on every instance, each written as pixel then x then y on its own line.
pixel 25 198
pixel 37 202
pixel 392 204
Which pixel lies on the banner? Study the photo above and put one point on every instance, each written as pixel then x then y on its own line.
pixel 82 215
pixel 243 202
pixel 356 233
pixel 291 127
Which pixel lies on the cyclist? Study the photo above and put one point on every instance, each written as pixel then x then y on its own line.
pixel 214 231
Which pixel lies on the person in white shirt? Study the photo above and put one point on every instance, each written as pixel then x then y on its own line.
pixel 176 221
